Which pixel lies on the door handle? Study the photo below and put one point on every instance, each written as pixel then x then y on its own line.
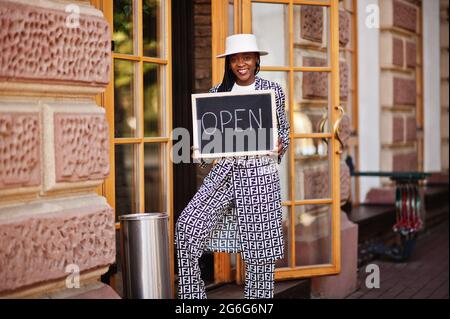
pixel 321 125
pixel 336 128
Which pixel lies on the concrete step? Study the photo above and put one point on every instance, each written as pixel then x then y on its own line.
pixel 290 289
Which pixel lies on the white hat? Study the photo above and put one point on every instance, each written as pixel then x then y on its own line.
pixel 239 43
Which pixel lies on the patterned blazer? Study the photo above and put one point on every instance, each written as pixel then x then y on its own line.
pixel 253 225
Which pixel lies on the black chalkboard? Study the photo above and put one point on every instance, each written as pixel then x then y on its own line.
pixel 234 124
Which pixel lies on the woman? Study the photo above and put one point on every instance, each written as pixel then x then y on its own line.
pixel 238 206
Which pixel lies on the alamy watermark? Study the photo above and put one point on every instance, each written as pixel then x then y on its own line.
pixel 73 19
pixel 73 279
pixel 372 20
pixel 373 279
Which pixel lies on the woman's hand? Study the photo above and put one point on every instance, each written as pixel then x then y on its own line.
pixel 280 146
pixel 279 149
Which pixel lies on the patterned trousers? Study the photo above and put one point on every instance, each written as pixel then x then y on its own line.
pixel 198 219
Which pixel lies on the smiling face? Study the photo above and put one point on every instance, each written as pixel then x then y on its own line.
pixel 243 66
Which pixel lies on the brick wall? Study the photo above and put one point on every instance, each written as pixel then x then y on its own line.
pixel 444 84
pixel 202 58
pixel 400 64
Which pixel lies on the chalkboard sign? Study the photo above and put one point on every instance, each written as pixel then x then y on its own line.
pixel 234 124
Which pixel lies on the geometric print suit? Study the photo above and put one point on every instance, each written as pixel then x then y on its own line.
pixel 236 209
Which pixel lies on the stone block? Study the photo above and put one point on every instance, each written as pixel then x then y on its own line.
pixel 387 131
pixel 398 129
pixel 387 87
pixel 380 196
pixel 444 125
pixel 344 28
pixel 444 94
pixel 411 129
pixel 314 84
pixel 397 54
pixel 40 239
pixel 405 162
pixel 20 148
pixel 76 146
pixel 343 284
pixel 411 54
pixel 37 45
pixel 404 91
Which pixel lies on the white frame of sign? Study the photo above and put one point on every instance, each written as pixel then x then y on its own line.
pixel 196 150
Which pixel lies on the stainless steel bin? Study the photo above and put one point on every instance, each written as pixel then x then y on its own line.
pixel 144 242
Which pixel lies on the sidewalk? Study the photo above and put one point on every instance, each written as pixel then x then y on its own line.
pixel 424 276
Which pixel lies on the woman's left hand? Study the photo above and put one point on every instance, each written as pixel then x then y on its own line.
pixel 280 146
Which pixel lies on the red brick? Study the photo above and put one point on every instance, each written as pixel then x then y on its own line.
pixel 202 31
pixel 202 20
pixel 397 58
pixel 411 130
pixel 204 52
pixel 411 54
pixel 202 73
pixel 405 16
pixel 202 42
pixel 398 130
pixel 404 91
pixel 20 150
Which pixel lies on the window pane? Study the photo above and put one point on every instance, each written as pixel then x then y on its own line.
pixel 311 102
pixel 311 34
pixel 312 169
pixel 125 121
pixel 125 179
pixel 285 261
pixel 285 181
pixel 270 24
pixel 152 28
pixel 153 100
pixel 312 235
pixel 281 78
pixel 123 26
pixel 155 178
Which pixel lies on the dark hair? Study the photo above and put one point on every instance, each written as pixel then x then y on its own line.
pixel 228 76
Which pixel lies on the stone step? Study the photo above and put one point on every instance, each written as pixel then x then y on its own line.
pixel 290 289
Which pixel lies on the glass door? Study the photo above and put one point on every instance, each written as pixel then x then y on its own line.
pixel 302 38
pixel 138 107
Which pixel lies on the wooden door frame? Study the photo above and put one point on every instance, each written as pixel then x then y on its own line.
pixel 107 98
pixel 219 19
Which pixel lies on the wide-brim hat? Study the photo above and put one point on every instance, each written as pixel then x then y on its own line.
pixel 240 43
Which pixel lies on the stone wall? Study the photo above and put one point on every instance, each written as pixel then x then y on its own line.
pixel 54 146
pixel 444 84
pixel 401 84
pixel 202 51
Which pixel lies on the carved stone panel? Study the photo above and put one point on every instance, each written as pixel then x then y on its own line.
pixel 19 150
pixel 81 147
pixel 40 44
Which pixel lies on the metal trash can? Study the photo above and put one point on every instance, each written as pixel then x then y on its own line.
pixel 144 242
